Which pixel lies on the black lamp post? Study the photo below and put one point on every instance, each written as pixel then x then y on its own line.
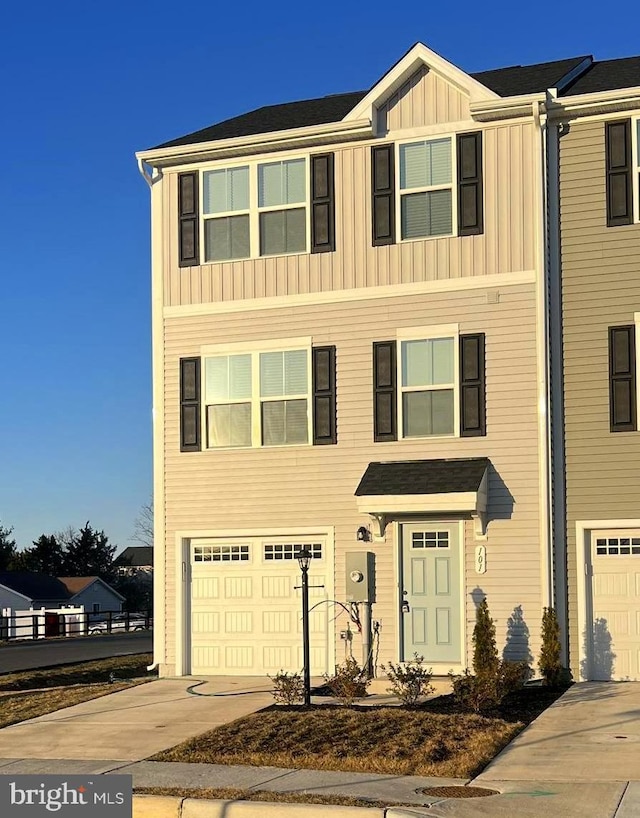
pixel 304 561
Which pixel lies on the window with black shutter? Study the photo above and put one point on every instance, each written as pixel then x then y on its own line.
pixel 472 386
pixel 383 195
pixel 190 404
pixel 618 164
pixel 622 378
pixel 384 391
pixel 470 208
pixel 322 204
pixel 324 395
pixel 188 218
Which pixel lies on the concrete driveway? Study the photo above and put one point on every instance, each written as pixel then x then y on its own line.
pixel 135 723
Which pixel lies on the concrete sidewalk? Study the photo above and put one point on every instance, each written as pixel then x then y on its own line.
pixel 135 723
pixel 580 758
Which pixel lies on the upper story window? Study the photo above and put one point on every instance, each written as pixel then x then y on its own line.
pixel 426 188
pixel 274 393
pixel 429 382
pixel 258 209
pixel 427 387
pixel 258 398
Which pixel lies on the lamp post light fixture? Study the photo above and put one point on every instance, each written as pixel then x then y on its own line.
pixel 304 561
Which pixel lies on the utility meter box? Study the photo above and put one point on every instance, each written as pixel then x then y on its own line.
pixel 360 576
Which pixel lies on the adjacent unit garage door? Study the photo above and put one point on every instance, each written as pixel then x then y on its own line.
pixel 246 615
pixel 614 641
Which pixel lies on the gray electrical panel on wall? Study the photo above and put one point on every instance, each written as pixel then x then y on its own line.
pixel 360 576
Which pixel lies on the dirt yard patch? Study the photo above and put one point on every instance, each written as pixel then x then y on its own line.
pixel 436 739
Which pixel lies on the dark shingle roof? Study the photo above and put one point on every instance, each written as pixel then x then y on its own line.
pixel 511 81
pixel 423 476
pixel 136 555
pixel 607 75
pixel 275 118
pixel 527 79
pixel 34 586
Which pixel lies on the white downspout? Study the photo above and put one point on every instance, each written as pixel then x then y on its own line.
pixel 542 355
pixel 154 179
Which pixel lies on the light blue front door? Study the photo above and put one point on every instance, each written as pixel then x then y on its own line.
pixel 430 571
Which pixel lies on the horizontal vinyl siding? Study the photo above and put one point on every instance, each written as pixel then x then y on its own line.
pixel 306 486
pixel 507 244
pixel 601 288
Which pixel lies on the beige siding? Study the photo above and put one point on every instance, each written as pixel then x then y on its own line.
pixel 601 288
pixel 314 486
pixel 507 244
pixel 425 99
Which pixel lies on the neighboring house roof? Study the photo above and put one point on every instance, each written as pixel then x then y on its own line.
pixel 76 585
pixel 511 81
pixel 606 75
pixel 136 556
pixel 34 586
pixel 423 476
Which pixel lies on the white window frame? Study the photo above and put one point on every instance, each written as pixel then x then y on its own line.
pixel 254 210
pixel 635 168
pixel 431 137
pixel 255 349
pixel 429 334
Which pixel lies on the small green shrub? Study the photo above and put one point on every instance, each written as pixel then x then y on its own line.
pixel 410 682
pixel 288 688
pixel 485 652
pixel 350 681
pixel 549 663
pixel 486 691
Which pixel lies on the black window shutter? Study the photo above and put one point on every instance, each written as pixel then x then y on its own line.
pixel 324 396
pixel 618 157
pixel 472 386
pixel 323 220
pixel 384 391
pixel 383 208
pixel 189 404
pixel 622 378
pixel 470 213
pixel 188 217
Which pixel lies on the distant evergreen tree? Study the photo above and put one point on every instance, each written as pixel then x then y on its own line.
pixel 8 549
pixel 46 556
pixel 88 553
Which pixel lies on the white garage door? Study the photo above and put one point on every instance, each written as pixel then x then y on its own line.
pixel 246 615
pixel 615 629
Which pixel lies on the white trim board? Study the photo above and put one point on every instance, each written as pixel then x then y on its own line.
pixel 583 559
pixel 452 285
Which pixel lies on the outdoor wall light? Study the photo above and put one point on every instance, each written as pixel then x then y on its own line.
pixel 363 534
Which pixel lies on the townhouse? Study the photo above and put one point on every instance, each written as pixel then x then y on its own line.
pixel 354 331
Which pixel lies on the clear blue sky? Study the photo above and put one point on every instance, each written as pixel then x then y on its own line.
pixel 86 84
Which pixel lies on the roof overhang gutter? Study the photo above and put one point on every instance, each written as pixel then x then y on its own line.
pixel 525 105
pixel 257 143
pixel 600 102
pixel 380 507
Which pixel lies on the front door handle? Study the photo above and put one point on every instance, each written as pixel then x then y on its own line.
pixel 405 606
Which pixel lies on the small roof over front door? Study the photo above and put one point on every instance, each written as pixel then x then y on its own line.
pixel 425 486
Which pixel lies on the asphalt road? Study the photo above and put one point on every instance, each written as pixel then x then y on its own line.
pixel 49 652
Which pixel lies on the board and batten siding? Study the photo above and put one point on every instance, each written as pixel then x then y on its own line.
pixel 507 244
pixel 425 99
pixel 313 486
pixel 600 288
